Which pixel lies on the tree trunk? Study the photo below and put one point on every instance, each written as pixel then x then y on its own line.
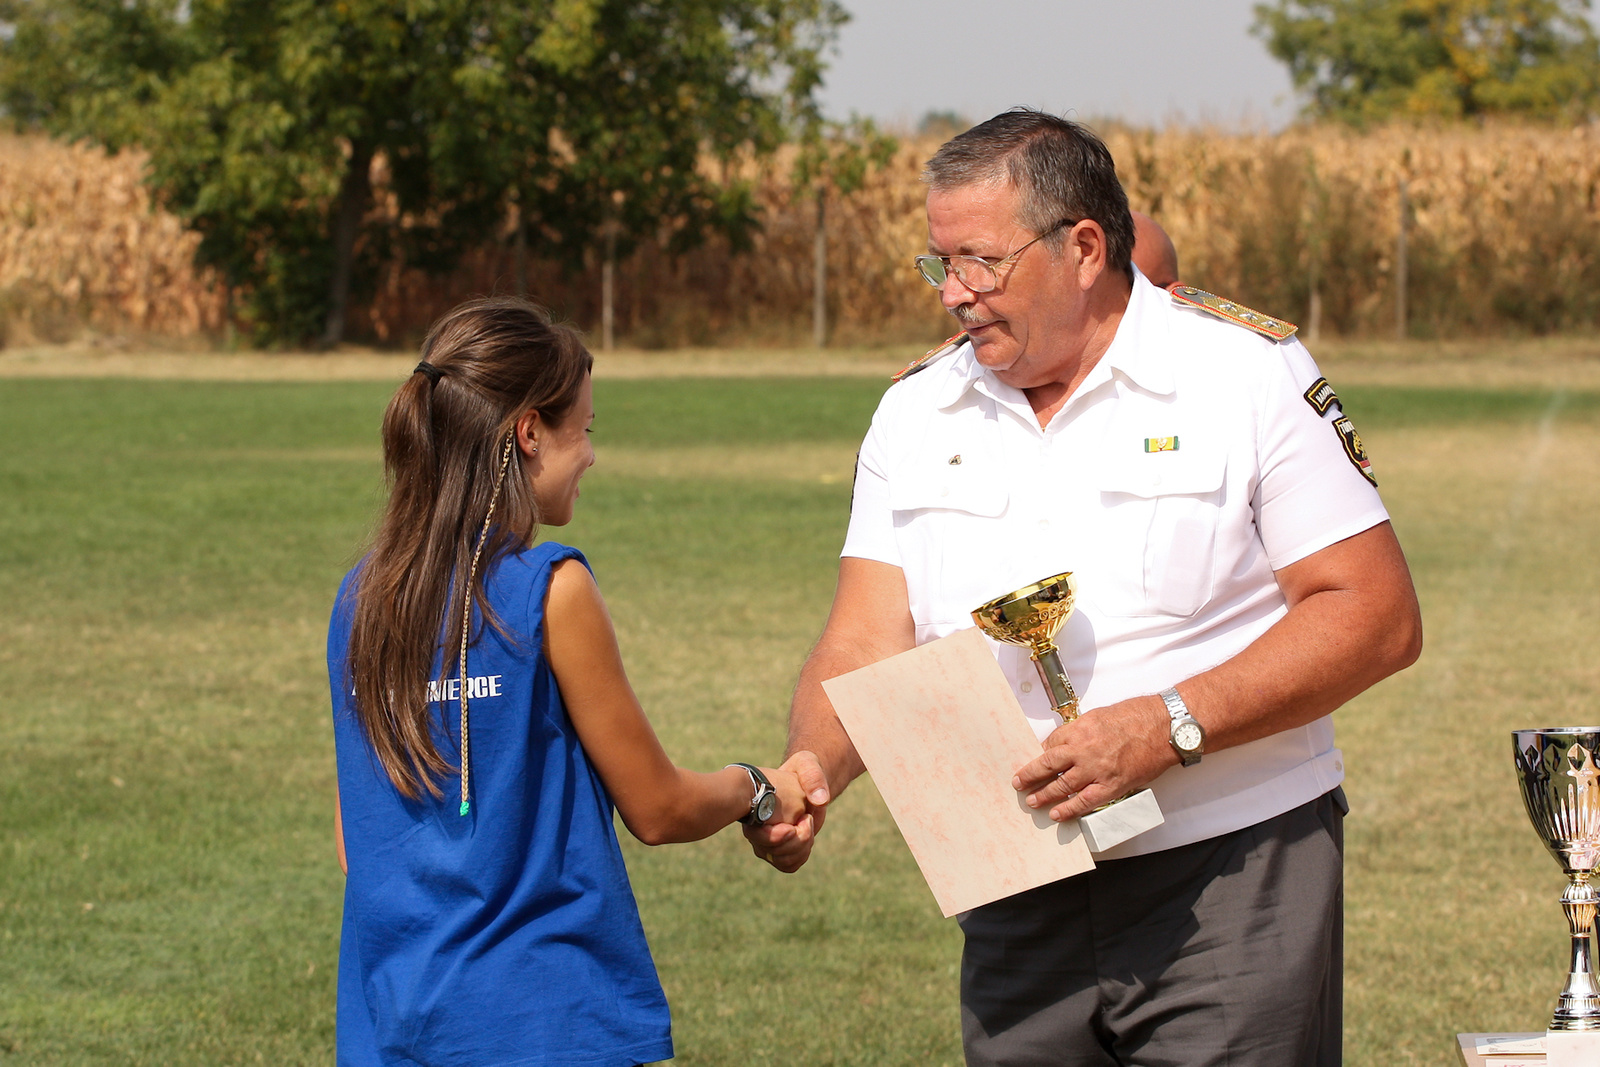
pixel 819 273
pixel 355 195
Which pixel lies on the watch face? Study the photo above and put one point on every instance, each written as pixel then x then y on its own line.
pixel 766 806
pixel 1187 736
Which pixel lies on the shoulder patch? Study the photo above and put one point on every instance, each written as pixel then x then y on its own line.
pixel 932 355
pixel 1354 448
pixel 1321 397
pixel 1238 314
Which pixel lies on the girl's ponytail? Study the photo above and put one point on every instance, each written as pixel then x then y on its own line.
pixel 484 365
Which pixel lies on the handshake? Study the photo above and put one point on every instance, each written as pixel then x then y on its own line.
pixel 785 838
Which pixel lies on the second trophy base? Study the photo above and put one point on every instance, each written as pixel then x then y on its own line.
pixel 1572 1048
pixel 1126 819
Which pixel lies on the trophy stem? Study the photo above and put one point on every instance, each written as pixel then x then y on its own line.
pixel 1578 1007
pixel 1063 698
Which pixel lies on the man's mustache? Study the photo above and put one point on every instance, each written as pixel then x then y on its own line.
pixel 965 315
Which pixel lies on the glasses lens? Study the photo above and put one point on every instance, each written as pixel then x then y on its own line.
pixel 932 270
pixel 975 274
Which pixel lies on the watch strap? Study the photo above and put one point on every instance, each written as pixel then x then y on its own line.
pixel 1178 713
pixel 762 788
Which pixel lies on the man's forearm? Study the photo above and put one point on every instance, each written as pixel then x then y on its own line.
pixel 1302 669
pixel 1337 640
pixel 870 621
pixel 813 726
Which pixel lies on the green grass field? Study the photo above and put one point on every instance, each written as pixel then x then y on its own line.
pixel 168 550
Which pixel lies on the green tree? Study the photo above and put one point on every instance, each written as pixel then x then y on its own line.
pixel 650 128
pixel 266 121
pixel 1361 60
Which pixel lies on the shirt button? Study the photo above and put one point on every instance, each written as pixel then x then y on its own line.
pixel 1044 524
pixel 1027 687
pixel 945 491
pixel 1338 766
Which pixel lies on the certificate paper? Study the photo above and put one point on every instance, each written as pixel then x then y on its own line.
pixel 941 735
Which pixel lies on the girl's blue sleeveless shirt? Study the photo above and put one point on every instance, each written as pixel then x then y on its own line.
pixel 508 936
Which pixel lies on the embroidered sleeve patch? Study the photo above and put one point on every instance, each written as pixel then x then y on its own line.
pixel 1354 448
pixel 1322 397
pixel 1161 444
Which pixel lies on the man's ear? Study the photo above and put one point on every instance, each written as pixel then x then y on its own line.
pixel 1087 244
pixel 529 427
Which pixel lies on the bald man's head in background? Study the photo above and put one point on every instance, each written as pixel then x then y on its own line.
pixel 1153 253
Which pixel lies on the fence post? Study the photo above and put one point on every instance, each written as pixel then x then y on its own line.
pixel 608 289
pixel 819 273
pixel 1401 266
pixel 519 248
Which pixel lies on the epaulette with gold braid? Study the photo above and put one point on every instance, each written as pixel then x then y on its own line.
pixel 931 356
pixel 1250 319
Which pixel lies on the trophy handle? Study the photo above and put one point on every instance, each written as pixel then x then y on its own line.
pixel 1063 697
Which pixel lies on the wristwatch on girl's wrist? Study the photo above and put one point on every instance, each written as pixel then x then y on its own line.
pixel 765 801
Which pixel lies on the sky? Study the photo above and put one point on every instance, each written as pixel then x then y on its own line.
pixel 1148 62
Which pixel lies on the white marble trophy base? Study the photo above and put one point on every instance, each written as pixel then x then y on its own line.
pixel 1127 818
pixel 1571 1048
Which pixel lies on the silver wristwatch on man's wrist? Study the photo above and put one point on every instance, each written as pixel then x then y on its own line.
pixel 1188 736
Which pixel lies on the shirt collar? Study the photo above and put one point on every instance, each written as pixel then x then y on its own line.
pixel 964 372
pixel 1136 353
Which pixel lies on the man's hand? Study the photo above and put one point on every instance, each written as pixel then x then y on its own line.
pixel 787 844
pixel 1102 756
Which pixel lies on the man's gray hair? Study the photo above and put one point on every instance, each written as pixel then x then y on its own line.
pixel 1060 169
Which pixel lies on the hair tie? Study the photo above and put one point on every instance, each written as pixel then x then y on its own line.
pixel 433 373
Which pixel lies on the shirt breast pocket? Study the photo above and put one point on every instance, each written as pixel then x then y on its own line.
pixel 1161 515
pixel 948 519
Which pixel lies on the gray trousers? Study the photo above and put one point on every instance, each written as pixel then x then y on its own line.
pixel 1228 951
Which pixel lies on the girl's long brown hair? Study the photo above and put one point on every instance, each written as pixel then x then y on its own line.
pixel 494 360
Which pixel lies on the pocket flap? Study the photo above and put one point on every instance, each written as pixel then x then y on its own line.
pixel 948 483
pixel 1167 466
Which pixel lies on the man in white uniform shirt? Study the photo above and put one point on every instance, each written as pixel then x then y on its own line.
pixel 1235 570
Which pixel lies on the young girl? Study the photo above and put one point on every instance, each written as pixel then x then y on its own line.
pixel 485 727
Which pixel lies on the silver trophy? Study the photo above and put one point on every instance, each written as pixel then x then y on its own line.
pixel 1561 788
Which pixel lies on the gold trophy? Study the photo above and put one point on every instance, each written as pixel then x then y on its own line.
pixel 1561 790
pixel 1031 617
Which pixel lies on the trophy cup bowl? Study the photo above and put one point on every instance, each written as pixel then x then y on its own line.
pixel 1031 617
pixel 1561 789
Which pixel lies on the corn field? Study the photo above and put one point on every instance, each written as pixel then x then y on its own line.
pixel 81 247
pixel 1430 232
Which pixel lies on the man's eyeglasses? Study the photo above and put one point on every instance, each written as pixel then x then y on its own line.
pixel 976 273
